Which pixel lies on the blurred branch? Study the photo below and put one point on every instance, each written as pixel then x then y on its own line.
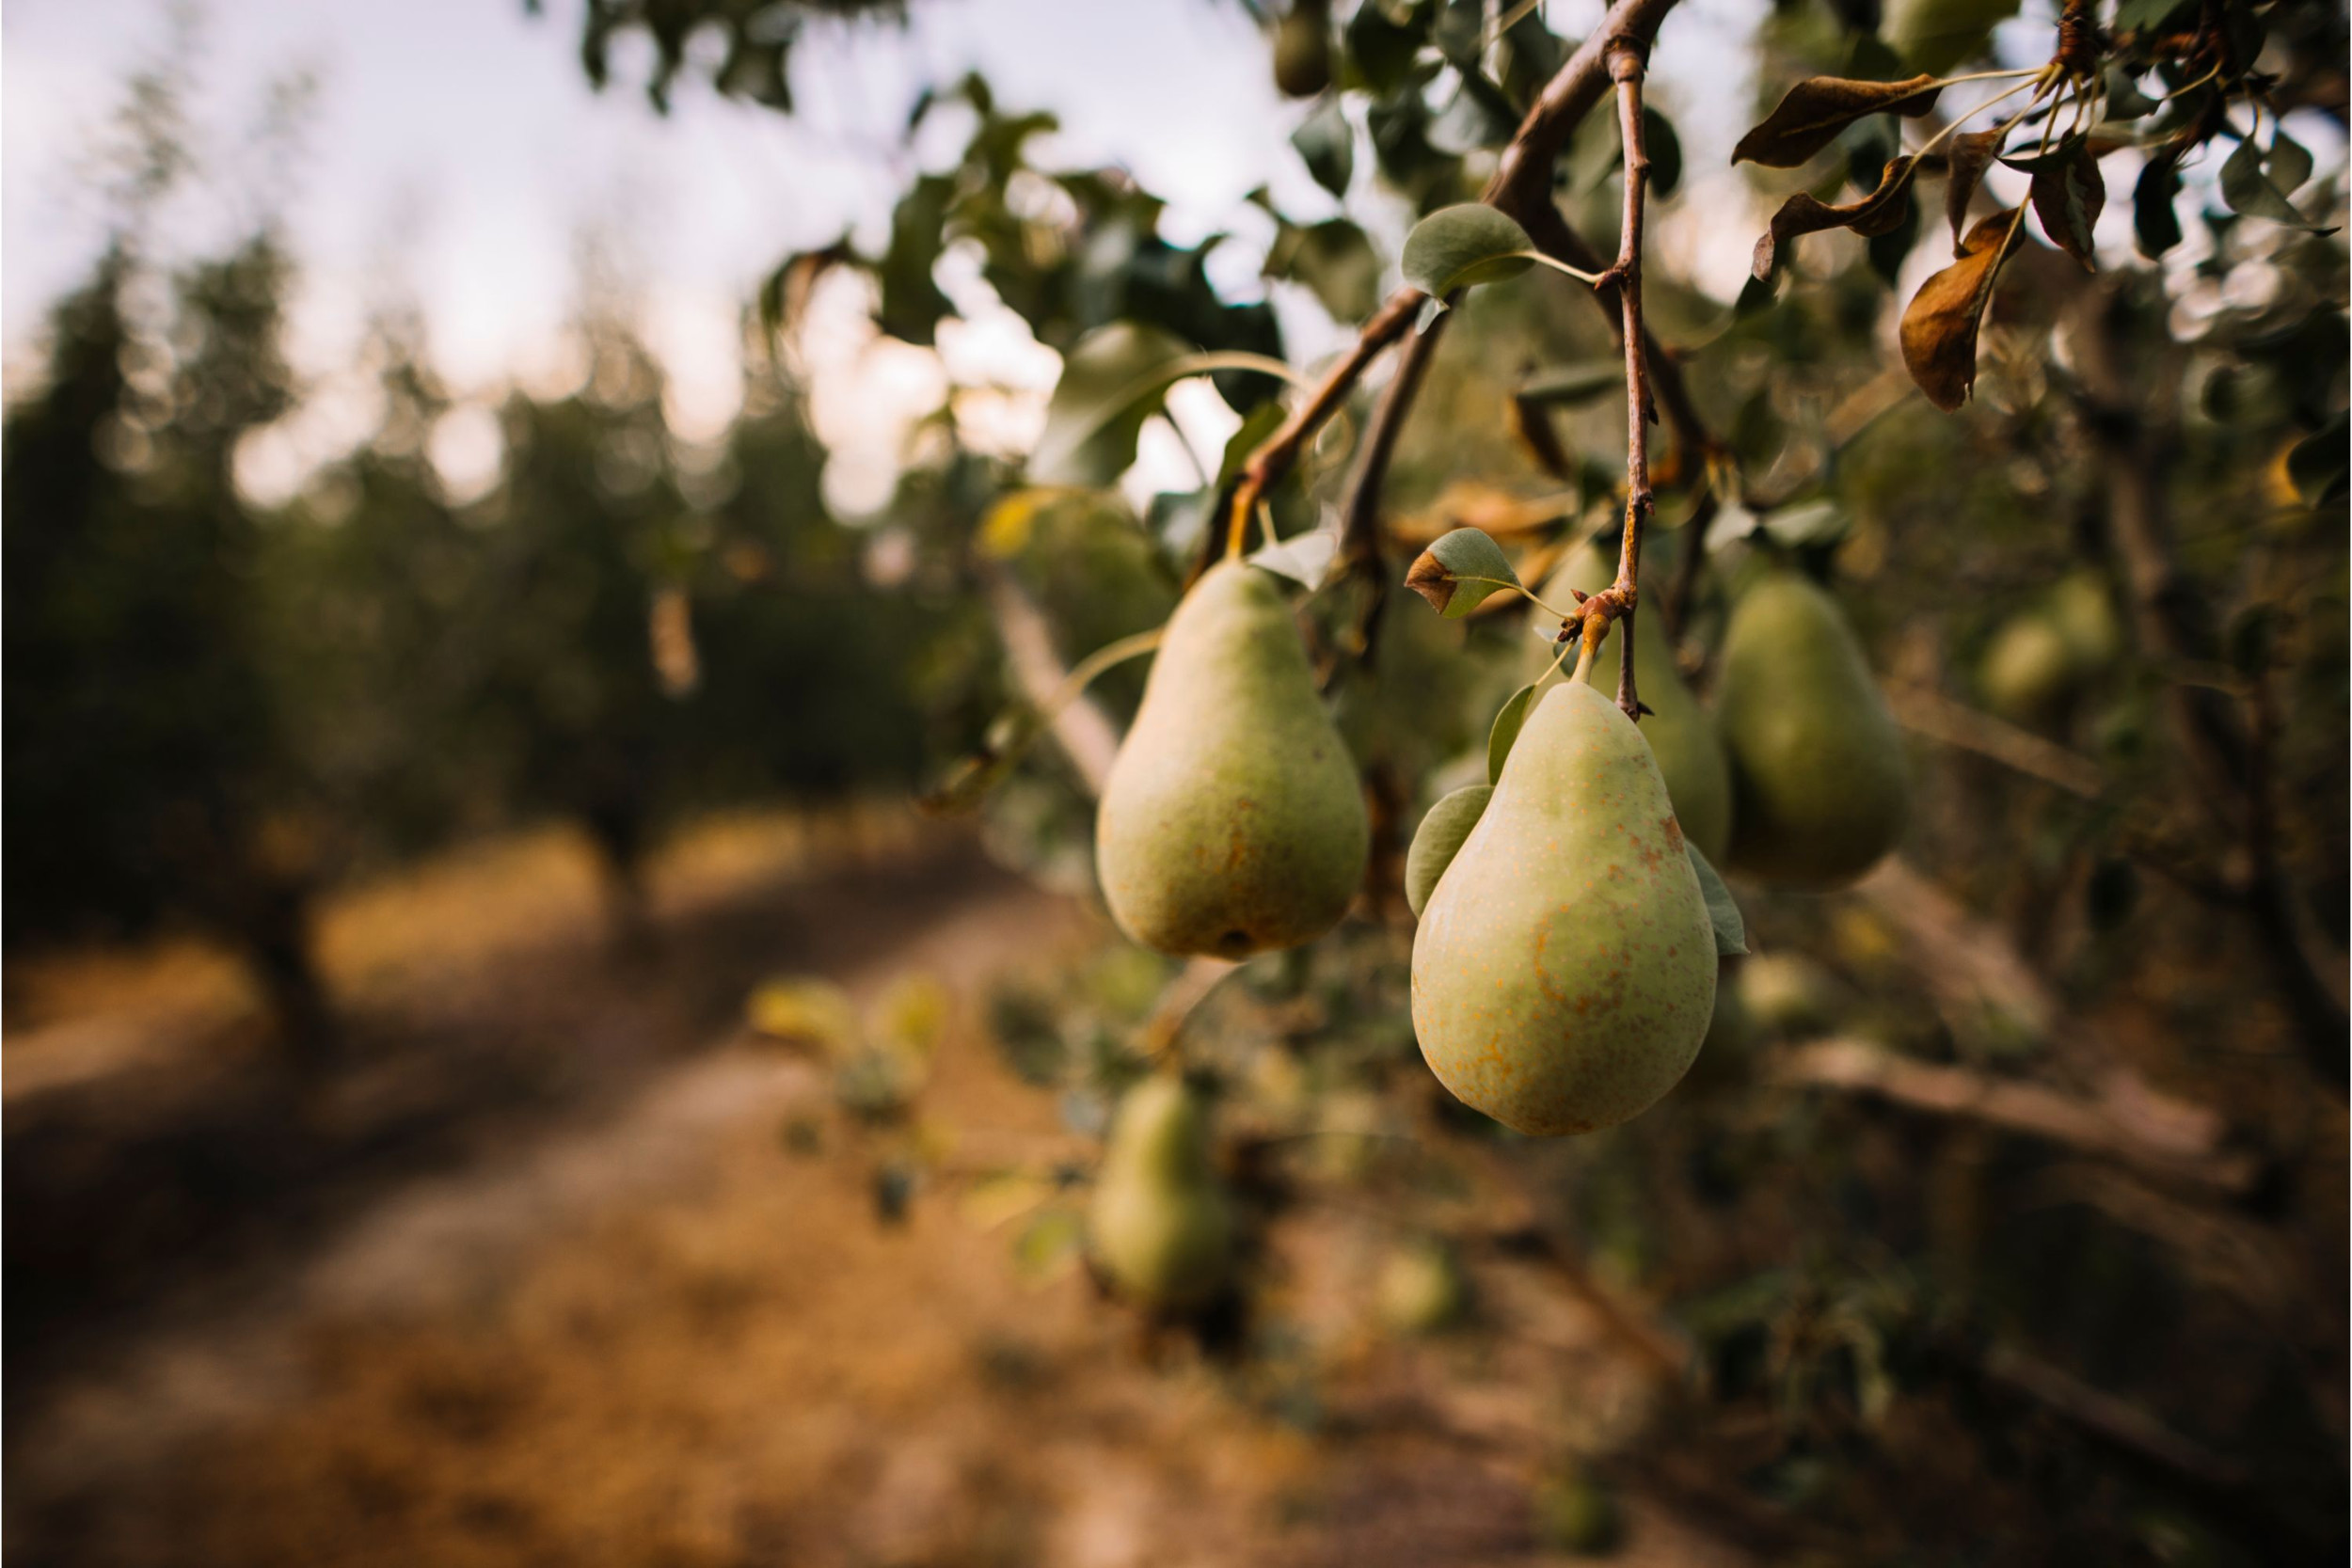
pixel 1079 727
pixel 2231 759
pixel 2114 1421
pixel 2162 1136
pixel 1925 711
pixel 1521 187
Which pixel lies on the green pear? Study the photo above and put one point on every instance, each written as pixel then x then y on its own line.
pixel 1819 790
pixel 1160 1226
pixel 1577 1514
pixel 2084 615
pixel 1232 821
pixel 2028 670
pixel 1564 972
pixel 1787 993
pixel 1689 753
pixel 1421 1289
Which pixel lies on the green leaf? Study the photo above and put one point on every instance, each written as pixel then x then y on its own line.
pixel 2155 223
pixel 912 304
pixel 1110 384
pixel 1459 247
pixel 1113 381
pixel 1819 522
pixel 1381 39
pixel 2138 16
pixel 1263 422
pixel 1438 839
pixel 1508 723
pixel 1665 152
pixel 2248 191
pixel 1476 116
pixel 1328 143
pixel 2317 465
pixel 1335 260
pixel 1813 113
pixel 1731 932
pixel 1304 557
pixel 2124 101
pixel 1458 572
pixel 2289 163
pixel 1572 385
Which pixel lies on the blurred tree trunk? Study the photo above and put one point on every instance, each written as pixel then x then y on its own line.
pixel 276 939
pixel 617 827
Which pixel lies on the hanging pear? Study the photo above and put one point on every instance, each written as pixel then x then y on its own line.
pixel 2029 667
pixel 1678 730
pixel 1564 972
pixel 1818 791
pixel 1160 1228
pixel 1232 821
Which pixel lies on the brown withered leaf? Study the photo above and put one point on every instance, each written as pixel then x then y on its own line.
pixel 1877 214
pixel 1940 325
pixel 1428 578
pixel 1816 108
pixel 1971 155
pixel 2067 193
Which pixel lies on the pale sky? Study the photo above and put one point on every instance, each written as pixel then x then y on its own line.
pixel 456 146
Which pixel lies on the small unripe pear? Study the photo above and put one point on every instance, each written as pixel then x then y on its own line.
pixel 1787 993
pixel 1232 821
pixel 1564 970
pixel 2085 616
pixel 2029 668
pixel 1576 1514
pixel 1689 753
pixel 1160 1226
pixel 1422 1289
pixel 1819 791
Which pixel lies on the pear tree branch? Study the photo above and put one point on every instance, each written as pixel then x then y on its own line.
pixel 1521 187
pixel 1628 57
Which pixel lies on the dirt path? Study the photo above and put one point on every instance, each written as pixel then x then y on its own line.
pixel 628 1320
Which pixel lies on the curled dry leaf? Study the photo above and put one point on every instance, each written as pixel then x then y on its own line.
pixel 2067 193
pixel 1939 330
pixel 1879 213
pixel 1971 155
pixel 1819 107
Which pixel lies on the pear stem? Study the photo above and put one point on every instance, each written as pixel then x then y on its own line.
pixel 1628 57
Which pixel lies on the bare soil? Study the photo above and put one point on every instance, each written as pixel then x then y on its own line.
pixel 560 1264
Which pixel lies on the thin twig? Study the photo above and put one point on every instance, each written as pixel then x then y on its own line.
pixel 1627 57
pixel 1522 187
pixel 1360 525
pixel 1272 460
